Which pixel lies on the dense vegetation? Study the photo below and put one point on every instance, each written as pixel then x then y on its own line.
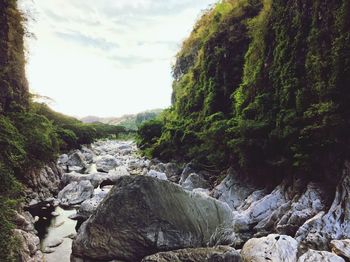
pixel 262 85
pixel 31 134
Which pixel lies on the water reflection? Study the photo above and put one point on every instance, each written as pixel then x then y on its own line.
pixel 57 228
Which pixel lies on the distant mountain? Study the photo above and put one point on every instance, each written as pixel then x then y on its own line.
pixel 131 121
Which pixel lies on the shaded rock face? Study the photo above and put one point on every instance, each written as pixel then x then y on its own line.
pixel 75 193
pixel 258 212
pixel 320 256
pixel 29 250
pixel 88 207
pixel 44 183
pixel 271 248
pixel 233 190
pixel 318 231
pixel 341 248
pixel 209 254
pixel 143 215
pixel 195 181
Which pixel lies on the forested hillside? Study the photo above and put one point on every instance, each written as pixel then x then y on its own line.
pixel 31 134
pixel 261 85
pixel 131 122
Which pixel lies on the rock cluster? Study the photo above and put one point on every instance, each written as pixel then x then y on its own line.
pixel 135 209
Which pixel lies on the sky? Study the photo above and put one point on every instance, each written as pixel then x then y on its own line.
pixel 106 57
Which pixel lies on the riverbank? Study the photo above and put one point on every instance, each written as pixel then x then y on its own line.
pixel 134 209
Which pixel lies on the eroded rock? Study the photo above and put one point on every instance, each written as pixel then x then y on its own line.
pixel 333 224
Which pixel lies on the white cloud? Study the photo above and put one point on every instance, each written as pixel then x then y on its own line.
pixel 107 57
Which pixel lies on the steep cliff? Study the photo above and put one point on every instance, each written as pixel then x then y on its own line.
pixel 13 84
pixel 262 86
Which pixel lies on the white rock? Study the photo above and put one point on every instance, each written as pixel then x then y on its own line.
pixel 156 174
pixel 320 256
pixel 271 248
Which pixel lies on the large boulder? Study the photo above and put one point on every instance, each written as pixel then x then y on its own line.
pixel 271 248
pixel 142 215
pixel 209 254
pixel 320 256
pixel 75 193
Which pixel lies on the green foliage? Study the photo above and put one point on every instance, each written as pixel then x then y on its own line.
pixel 148 133
pixel 13 83
pixel 71 132
pixel 263 86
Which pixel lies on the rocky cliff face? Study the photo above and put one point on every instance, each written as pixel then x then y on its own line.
pixel 43 183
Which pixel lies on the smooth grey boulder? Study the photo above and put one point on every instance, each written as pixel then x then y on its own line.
pixel 271 248
pixel 195 181
pixel 209 254
pixel 142 215
pixel 341 248
pixel 75 193
pixel 319 256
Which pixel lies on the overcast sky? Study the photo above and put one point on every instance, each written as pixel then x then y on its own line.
pixel 107 57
